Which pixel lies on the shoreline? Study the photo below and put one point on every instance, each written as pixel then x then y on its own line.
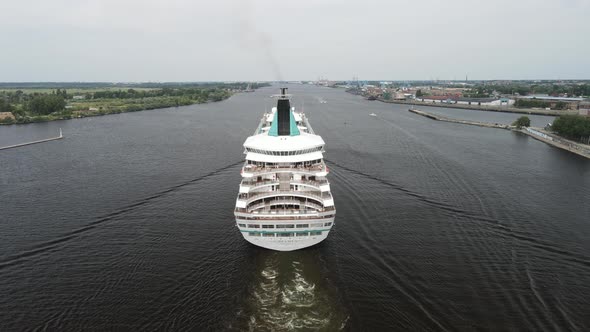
pixel 88 114
pixel 500 109
pixel 536 133
pixel 484 108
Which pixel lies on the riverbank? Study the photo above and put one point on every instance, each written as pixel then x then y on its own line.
pixel 536 133
pixel 107 107
pixel 503 109
pixel 557 141
pixel 29 104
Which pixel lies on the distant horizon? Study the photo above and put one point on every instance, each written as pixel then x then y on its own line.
pixel 296 80
pixel 264 40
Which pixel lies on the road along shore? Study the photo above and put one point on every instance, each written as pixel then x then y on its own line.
pixel 502 109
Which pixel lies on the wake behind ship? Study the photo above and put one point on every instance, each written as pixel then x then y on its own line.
pixel 284 201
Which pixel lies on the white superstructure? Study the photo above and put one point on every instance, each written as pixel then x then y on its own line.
pixel 284 201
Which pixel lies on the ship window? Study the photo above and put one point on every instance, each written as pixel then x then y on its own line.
pixel 268 234
pixel 328 224
pixel 302 225
pixel 268 226
pixel 317 225
pixel 241 225
pixel 285 234
pixel 302 234
pixel 253 226
pixel 289 226
pixel 254 234
pixel 315 233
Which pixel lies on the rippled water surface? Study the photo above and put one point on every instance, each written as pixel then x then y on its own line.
pixel 127 224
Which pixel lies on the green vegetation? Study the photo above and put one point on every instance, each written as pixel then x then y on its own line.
pixel 45 104
pixel 5 106
pixel 523 121
pixel 37 103
pixel 535 103
pixel 419 93
pixel 7 121
pixel 477 92
pixel 526 88
pixel 575 127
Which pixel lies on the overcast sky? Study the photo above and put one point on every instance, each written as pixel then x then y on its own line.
pixel 190 40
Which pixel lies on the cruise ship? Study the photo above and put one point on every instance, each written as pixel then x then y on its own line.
pixel 284 202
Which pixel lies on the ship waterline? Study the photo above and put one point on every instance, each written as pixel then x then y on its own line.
pixel 284 201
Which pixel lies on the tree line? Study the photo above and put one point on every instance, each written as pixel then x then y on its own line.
pixel 535 103
pixel 570 89
pixel 38 106
pixel 574 127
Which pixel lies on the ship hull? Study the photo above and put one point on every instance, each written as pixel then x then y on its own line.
pixel 287 243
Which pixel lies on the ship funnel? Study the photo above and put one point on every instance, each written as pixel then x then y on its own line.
pixel 283 114
pixel 283 123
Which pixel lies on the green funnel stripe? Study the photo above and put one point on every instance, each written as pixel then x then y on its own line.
pixel 293 125
pixel 274 126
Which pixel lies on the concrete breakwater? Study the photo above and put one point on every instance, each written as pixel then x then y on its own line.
pixel 559 142
pixel 536 133
pixel 467 122
pixel 34 142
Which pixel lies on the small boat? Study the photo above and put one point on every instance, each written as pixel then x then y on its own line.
pixel 373 114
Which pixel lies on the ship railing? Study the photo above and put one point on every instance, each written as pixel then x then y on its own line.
pixel 251 197
pixel 268 205
pixel 291 212
pixel 284 217
pixel 257 183
pixel 282 211
pixel 316 184
pixel 260 125
pixel 249 168
pixel 306 122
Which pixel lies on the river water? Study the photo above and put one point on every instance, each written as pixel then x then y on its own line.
pixel 127 223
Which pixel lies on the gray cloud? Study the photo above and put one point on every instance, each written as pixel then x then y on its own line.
pixel 181 40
